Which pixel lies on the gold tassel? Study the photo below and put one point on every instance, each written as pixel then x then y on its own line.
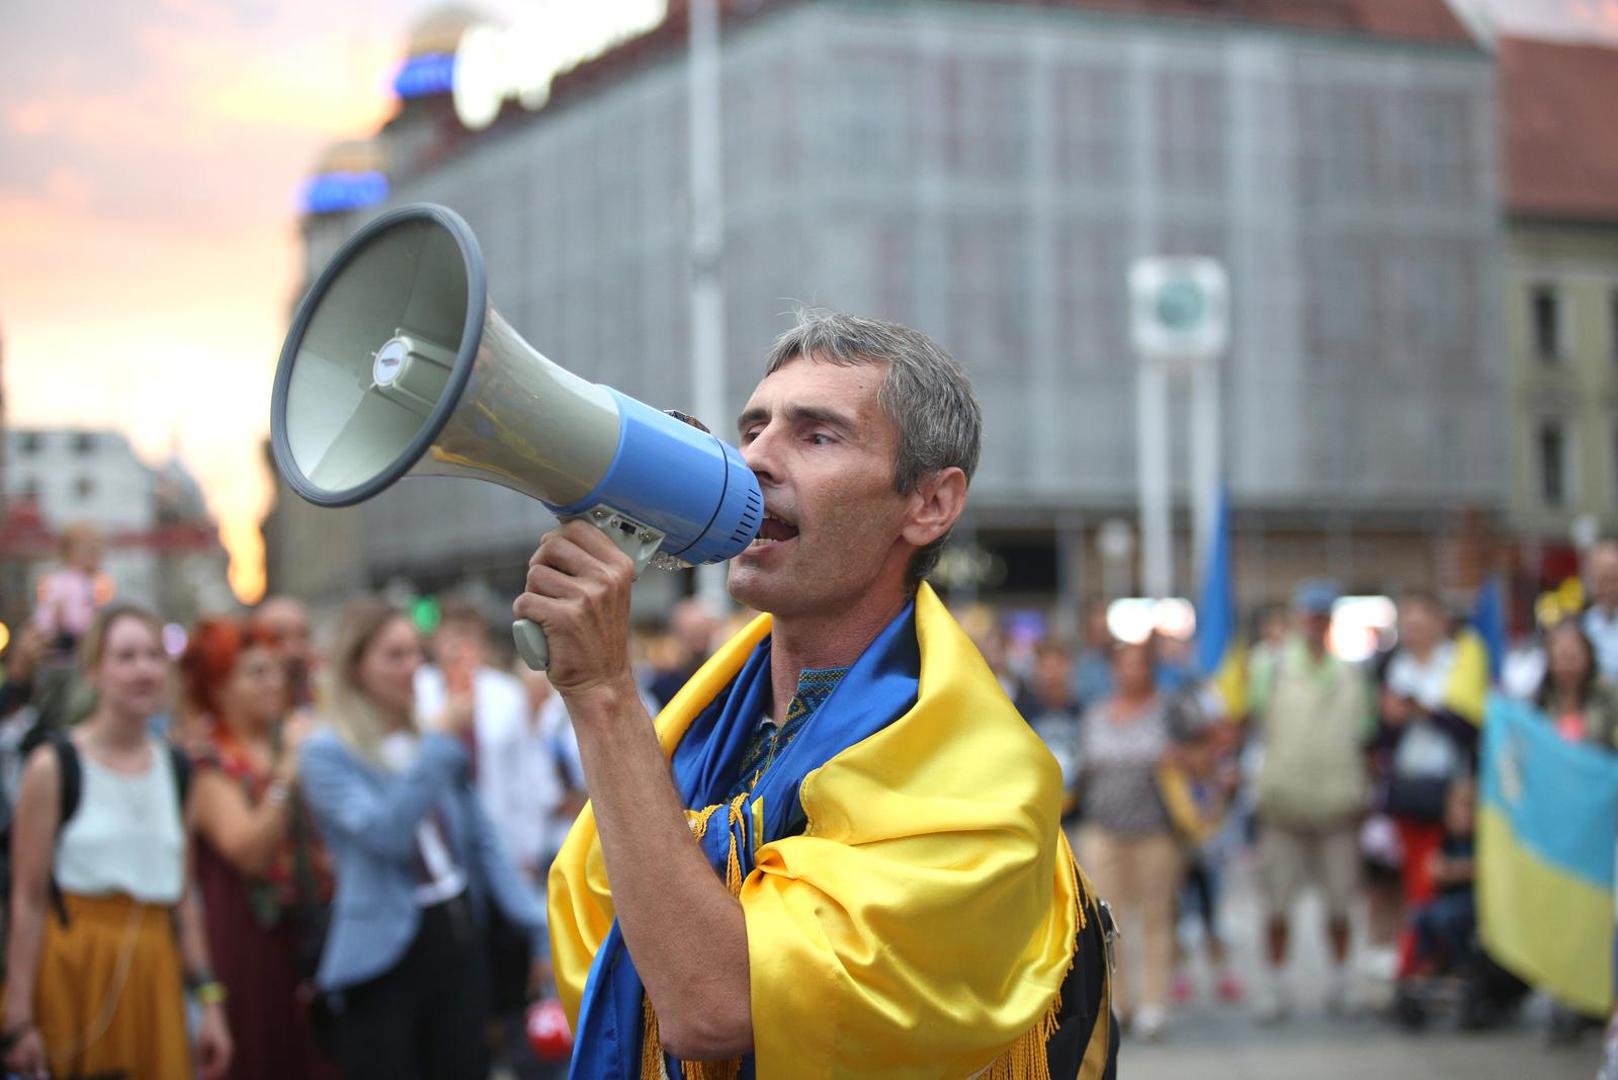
pixel 1025 1059
pixel 711 1070
pixel 651 1046
pixel 698 820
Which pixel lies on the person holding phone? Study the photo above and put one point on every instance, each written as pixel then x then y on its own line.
pixel 420 872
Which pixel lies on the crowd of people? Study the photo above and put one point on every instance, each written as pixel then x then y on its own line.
pixel 1356 781
pixel 270 863
pixel 278 860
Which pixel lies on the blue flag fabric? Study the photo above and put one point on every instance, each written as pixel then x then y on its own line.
pixel 1489 620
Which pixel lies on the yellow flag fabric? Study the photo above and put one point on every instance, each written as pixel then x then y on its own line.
pixel 1468 685
pixel 923 921
pixel 1230 680
pixel 1191 827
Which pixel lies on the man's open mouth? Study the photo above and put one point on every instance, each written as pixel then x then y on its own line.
pixel 774 530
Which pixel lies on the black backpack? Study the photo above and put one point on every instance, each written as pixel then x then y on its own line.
pixel 72 785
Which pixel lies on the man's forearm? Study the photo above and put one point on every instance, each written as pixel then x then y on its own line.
pixel 681 925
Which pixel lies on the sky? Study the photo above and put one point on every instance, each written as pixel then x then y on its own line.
pixel 151 152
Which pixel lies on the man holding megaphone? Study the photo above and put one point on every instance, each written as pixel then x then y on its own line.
pixel 837 852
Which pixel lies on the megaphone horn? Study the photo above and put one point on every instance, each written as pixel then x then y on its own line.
pixel 397 365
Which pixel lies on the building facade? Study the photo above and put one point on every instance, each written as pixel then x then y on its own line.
pixel 1561 300
pixel 987 172
pixel 162 549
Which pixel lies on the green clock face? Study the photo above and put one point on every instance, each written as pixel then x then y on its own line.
pixel 1180 305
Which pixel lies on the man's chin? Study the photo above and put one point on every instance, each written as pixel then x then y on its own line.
pixel 751 585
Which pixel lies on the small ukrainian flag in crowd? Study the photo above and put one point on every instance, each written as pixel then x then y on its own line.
pixel 1221 655
pixel 1547 845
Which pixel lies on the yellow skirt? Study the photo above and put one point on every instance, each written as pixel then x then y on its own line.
pixel 110 998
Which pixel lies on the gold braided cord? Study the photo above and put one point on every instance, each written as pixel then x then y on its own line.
pixel 651 1043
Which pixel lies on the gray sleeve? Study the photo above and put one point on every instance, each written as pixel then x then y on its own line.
pixel 384 821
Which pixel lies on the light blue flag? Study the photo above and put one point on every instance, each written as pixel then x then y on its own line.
pixel 1547 837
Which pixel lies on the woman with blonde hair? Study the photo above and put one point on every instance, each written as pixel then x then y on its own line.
pixel 420 872
pixel 105 931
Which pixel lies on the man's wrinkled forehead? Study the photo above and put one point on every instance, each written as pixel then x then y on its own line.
pixel 808 388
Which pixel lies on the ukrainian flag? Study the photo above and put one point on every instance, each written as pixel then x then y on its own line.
pixel 1220 657
pixel 1489 621
pixel 1546 835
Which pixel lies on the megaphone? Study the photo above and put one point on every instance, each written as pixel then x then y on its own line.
pixel 396 365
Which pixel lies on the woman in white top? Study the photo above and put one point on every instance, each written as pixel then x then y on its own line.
pixel 94 973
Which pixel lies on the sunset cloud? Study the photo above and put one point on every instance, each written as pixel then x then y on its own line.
pixel 1599 16
pixel 147 182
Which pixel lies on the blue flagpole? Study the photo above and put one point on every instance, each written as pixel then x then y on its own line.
pixel 1216 607
pixel 1489 620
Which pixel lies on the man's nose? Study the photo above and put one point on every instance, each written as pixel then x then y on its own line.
pixel 761 457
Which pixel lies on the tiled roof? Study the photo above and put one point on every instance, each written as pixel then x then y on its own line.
pixel 1414 20
pixel 1425 21
pixel 1559 140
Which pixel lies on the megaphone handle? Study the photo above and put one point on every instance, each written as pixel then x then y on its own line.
pixel 530 640
pixel 639 542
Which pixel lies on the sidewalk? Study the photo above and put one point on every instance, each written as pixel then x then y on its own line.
pixel 1221 1042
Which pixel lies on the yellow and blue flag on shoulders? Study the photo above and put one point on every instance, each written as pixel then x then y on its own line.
pixel 1547 841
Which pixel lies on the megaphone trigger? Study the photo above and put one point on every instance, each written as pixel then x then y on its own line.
pixel 639 542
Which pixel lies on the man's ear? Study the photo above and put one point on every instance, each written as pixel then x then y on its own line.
pixel 934 506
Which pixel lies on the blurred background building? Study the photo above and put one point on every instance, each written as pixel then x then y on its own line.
pixel 1561 165
pixel 987 172
pixel 162 549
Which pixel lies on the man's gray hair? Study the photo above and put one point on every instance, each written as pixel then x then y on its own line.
pixel 925 393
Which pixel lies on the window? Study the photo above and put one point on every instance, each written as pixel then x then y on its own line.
pixel 28 442
pixel 1547 314
pixel 1612 313
pixel 1552 463
pixel 84 487
pixel 84 443
pixel 1614 488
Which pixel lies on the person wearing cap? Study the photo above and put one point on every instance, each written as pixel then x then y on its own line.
pixel 1309 714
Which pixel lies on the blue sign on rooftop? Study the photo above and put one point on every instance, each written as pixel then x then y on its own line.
pixel 331 193
pixel 430 73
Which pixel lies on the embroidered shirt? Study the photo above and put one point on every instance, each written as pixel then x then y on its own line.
pixel 770 739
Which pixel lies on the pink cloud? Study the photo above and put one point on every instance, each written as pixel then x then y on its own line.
pixel 1599 16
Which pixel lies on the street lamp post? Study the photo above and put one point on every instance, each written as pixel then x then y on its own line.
pixel 705 146
pixel 1180 324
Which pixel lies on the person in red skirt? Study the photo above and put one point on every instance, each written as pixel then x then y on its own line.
pixel 263 876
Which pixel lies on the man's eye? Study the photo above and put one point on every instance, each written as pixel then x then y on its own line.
pixel 820 438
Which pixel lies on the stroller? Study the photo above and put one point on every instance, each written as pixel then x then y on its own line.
pixel 1477 992
pixel 1443 966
